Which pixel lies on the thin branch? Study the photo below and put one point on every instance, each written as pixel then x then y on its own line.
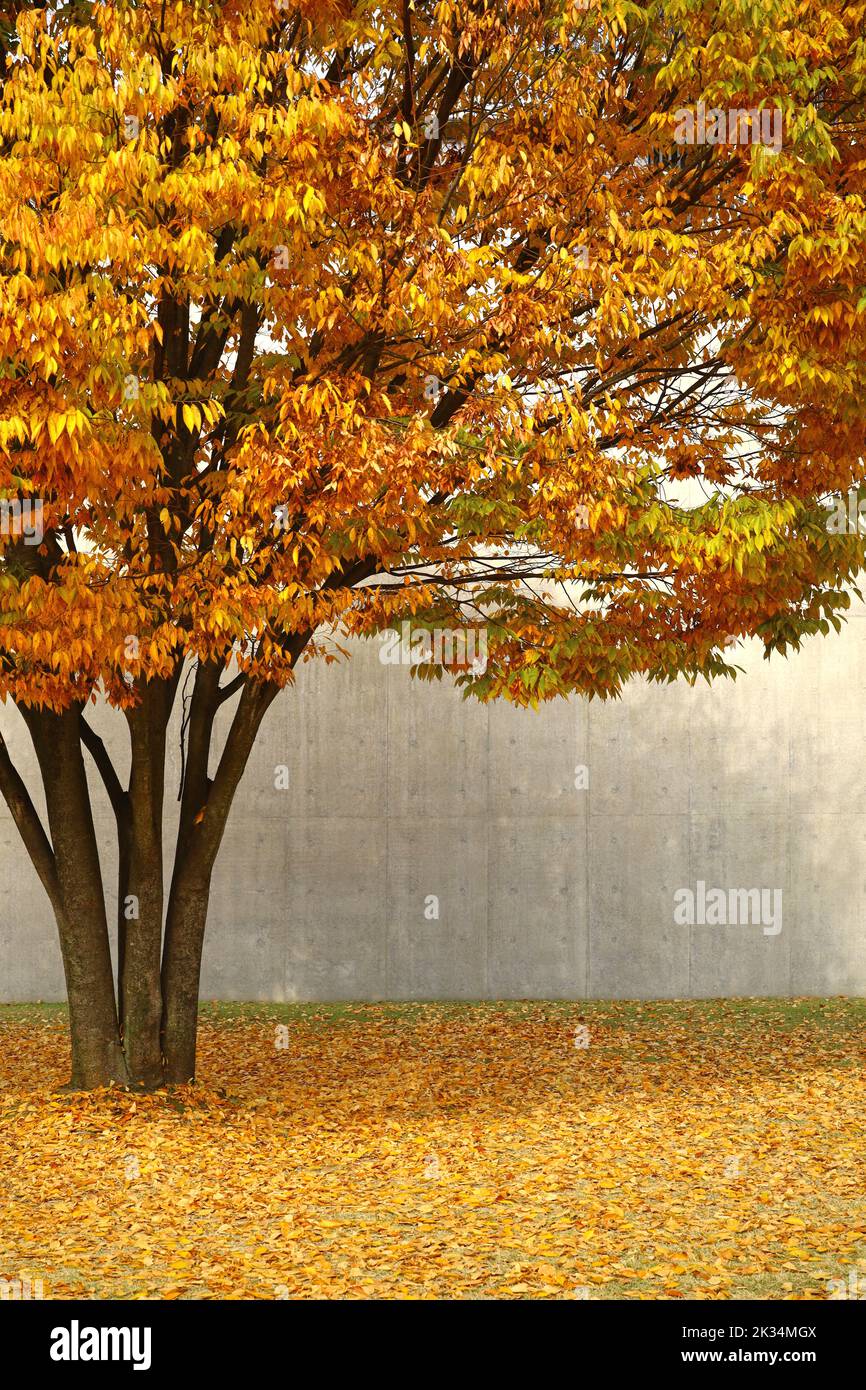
pixel 30 827
pixel 96 748
pixel 234 685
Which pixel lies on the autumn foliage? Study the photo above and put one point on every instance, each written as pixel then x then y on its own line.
pixel 317 318
pixel 706 1150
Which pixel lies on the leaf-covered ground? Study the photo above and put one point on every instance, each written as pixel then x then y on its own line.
pixel 709 1150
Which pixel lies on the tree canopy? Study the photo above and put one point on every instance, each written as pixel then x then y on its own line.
pixel 317 317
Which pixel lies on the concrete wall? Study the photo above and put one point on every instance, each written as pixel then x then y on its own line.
pixel 399 791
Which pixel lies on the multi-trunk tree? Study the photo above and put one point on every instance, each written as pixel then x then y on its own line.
pixel 538 316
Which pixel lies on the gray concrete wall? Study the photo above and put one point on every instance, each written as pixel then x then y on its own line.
pixel 399 791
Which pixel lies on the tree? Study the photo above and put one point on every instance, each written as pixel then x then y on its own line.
pixel 539 317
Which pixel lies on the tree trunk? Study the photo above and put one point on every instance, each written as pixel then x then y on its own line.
pixel 188 900
pixel 97 1054
pixel 204 812
pixel 140 995
pixel 181 970
pixel 147 1037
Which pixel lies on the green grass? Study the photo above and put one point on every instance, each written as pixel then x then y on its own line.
pixel 839 1012
pixel 836 1015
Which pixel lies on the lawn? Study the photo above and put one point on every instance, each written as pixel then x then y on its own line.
pixel 601 1150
